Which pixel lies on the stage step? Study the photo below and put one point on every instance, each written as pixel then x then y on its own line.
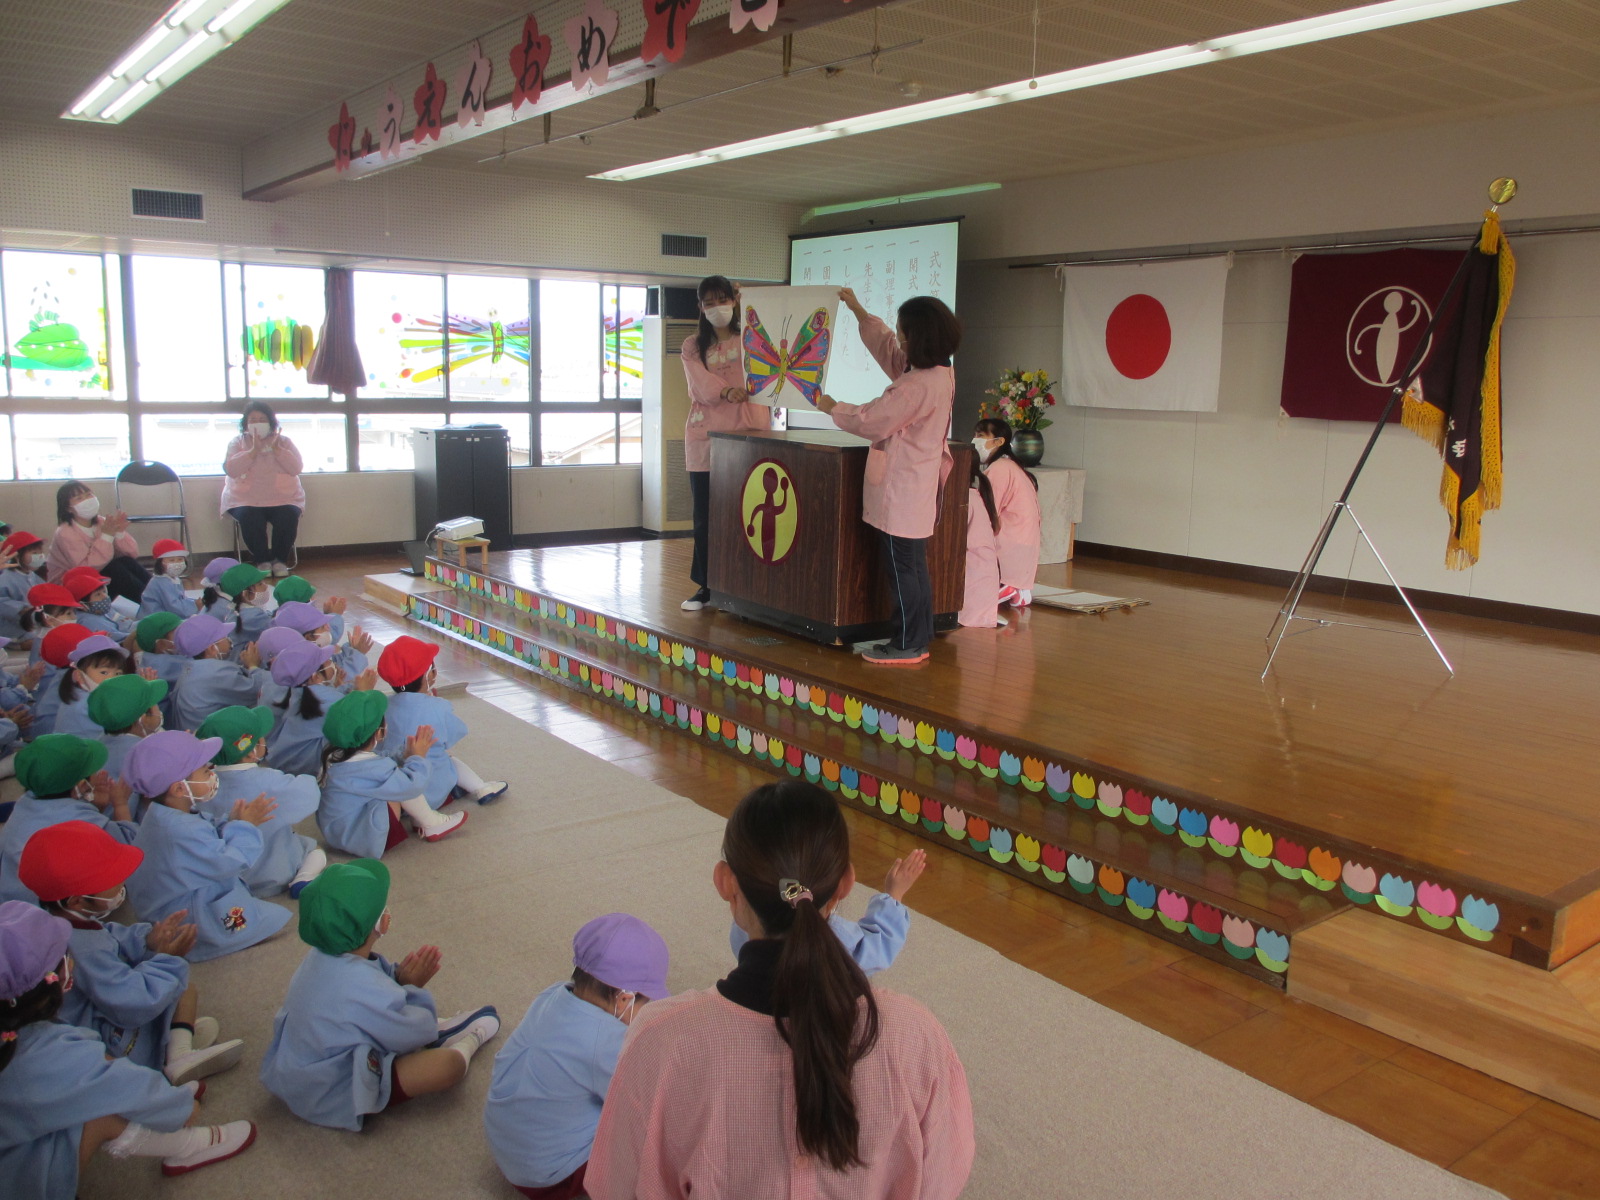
pixel 1537 1029
pixel 1162 882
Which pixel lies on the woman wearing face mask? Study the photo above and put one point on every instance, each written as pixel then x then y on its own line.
pixel 190 864
pixel 263 488
pixel 85 538
pixel 713 362
pixel 1014 499
pixel 17 579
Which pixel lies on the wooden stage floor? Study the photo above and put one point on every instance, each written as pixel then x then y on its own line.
pixel 1486 778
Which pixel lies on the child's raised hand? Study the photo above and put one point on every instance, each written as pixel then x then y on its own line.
pixel 31 675
pixel 250 656
pixel 147 672
pixel 420 742
pixel 360 639
pixel 257 812
pixel 172 935
pixel 421 965
pixel 335 604
pixel 8 559
pixel 100 781
pixel 366 681
pixel 904 872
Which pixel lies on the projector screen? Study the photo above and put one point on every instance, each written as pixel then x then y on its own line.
pixel 885 267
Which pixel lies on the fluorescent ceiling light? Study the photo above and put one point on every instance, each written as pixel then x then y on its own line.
pixel 1173 58
pixel 185 36
pixel 828 210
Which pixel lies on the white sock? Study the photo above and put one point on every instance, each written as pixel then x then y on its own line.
pixel 145 1142
pixel 310 866
pixel 466 1043
pixel 180 1041
pixel 466 777
pixel 421 813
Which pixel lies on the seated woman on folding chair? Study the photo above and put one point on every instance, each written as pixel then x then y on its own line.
pixel 263 488
pixel 85 538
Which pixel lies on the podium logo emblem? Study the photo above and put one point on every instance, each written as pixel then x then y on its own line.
pixel 768 512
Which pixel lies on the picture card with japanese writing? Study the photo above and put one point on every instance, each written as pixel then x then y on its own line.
pixel 788 336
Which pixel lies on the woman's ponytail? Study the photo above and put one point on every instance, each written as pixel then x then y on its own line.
pixel 985 493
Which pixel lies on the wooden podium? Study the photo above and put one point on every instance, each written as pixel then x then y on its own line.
pixel 788 546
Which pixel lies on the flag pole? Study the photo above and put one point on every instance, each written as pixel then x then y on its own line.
pixel 1500 191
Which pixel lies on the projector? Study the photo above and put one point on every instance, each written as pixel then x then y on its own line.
pixel 460 529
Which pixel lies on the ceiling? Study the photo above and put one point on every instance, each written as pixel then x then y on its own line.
pixel 1535 53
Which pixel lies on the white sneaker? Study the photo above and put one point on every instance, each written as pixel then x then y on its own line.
pixel 197 1064
pixel 697 601
pixel 450 1027
pixel 491 791
pixel 481 1032
pixel 205 1034
pixel 279 570
pixel 215 1143
pixel 444 828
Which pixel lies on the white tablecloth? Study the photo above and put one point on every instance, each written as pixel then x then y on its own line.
pixel 1060 510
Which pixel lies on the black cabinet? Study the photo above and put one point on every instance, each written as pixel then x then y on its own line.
pixel 464 471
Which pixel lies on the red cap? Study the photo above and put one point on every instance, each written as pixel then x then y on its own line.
pixel 53 594
pixel 75 858
pixel 19 540
pixel 81 581
pixel 404 659
pixel 167 548
pixel 58 643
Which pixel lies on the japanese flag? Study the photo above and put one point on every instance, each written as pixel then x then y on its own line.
pixel 1144 336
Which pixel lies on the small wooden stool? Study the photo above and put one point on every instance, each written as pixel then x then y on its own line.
pixel 463 546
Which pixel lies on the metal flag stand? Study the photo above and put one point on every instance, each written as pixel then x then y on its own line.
pixel 1500 191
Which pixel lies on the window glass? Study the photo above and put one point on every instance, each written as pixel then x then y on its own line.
pixel 630 440
pixel 318 436
pixel 177 320
pixel 489 339
pixel 281 316
pixel 55 315
pixel 569 342
pixel 189 443
pixel 623 323
pixel 514 423
pixel 399 334
pixel 578 439
pixel 70 445
pixel 386 438
pixel 7 464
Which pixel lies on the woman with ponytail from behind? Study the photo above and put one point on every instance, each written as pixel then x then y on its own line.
pixel 804 1078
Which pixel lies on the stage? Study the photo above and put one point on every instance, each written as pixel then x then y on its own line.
pixel 1134 762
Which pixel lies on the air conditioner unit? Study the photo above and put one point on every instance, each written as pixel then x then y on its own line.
pixel 667 505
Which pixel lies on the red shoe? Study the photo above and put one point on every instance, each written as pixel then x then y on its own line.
pixel 1008 595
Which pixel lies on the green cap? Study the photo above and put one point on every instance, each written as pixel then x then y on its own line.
pixel 341 907
pixel 155 627
pixel 121 700
pixel 239 578
pixel 354 718
pixel 239 728
pixel 292 588
pixel 55 763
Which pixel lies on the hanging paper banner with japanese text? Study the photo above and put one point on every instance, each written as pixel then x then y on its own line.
pixel 589 38
pixel 529 59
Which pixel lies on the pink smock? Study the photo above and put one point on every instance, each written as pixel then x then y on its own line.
pixel 708 412
pixel 1016 501
pixel 75 546
pixel 980 602
pixel 262 480
pixel 702 1105
pixel 908 426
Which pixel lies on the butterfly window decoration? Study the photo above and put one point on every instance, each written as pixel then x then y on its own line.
pixel 801 361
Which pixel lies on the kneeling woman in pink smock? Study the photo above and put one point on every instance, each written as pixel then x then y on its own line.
pixel 907 426
pixel 1015 493
pixel 980 597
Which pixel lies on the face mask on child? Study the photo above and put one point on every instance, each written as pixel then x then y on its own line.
pixel 981 445
pixel 720 315
pixel 196 796
pixel 87 509
pixel 174 568
pixel 259 429
pixel 98 607
pixel 323 637
pixel 32 562
pixel 102 907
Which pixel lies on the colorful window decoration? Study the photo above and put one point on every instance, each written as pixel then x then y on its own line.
pixel 273 315
pixel 489 338
pixel 622 323
pixel 398 333
pixel 56 328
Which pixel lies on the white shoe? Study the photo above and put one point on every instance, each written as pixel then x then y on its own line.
pixel 205 1034
pixel 444 828
pixel 1000 622
pixel 697 601
pixel 279 570
pixel 491 791
pixel 310 867
pixel 476 1035
pixel 197 1064
pixel 216 1143
pixel 461 1022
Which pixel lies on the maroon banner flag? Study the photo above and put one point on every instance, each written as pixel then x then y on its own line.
pixel 1354 322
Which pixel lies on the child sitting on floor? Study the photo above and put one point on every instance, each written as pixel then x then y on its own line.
pixel 288 860
pixel 211 680
pixel 294 589
pixel 364 793
pixel 53 650
pixel 309 684
pixel 89 664
pixel 132 983
pixel 246 587
pixel 406 665
pixel 61 1098
pixel 127 709
pixel 550 1077
pixel 190 864
pixel 164 592
pixel 65 782
pixel 212 600
pixel 314 626
pixel 49 606
pixel 268 646
pixel 17 579
pixel 88 587
pixel 358 1034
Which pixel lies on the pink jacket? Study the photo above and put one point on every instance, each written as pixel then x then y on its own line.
pixel 708 412
pixel 263 480
pixel 702 1104
pixel 1016 501
pixel 75 546
pixel 908 426
pixel 980 602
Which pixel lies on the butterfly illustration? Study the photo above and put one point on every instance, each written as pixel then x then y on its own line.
pixel 800 364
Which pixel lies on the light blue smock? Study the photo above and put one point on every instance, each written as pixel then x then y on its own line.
pixel 874 942
pixel 251 622
pixel 117 747
pixel 211 684
pixel 12 693
pixel 407 712
pixel 165 594
pixel 15 584
pixel 47 702
pixel 295 745
pixel 33 814
pixel 110 624
pixel 342 1025
pixel 349 660
pixel 169 668
pixel 10 736
pixel 73 717
pixel 354 816
pixel 191 864
pixel 550 1080
pixel 58 1080
pixel 221 608
pixel 123 990
pixel 282 849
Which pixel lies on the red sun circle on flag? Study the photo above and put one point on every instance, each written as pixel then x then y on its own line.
pixel 1138 336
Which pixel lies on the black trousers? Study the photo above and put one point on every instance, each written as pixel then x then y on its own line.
pixel 700 493
pixel 127 575
pixel 910 589
pixel 253 522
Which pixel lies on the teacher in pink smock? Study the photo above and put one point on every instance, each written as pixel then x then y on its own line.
pixel 263 488
pixel 85 538
pixel 907 426
pixel 713 363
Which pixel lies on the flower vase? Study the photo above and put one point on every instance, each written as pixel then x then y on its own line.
pixel 1027 445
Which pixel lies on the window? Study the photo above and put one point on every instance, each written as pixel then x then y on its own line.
pixel 622 319
pixel 400 333
pixel 569 342
pixel 385 438
pixel 189 443
pixel 318 436
pixel 272 330
pixel 490 343
pixel 56 323
pixel 70 445
pixel 578 439
pixel 177 311
pixel 514 423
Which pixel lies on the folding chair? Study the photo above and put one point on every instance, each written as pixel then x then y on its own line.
pixel 147 474
pixel 239 550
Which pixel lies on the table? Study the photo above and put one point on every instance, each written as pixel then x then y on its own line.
pixel 1060 510
pixel 462 546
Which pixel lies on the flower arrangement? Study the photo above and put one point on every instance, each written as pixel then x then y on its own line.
pixel 1021 398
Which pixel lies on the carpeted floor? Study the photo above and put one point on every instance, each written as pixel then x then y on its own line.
pixel 1071 1099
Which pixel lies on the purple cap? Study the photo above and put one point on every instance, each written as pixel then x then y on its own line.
pixel 216 567
pixel 4 642
pixel 274 641
pixel 92 645
pixel 300 617
pixel 623 952
pixel 32 942
pixel 162 759
pixel 195 633
pixel 296 664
